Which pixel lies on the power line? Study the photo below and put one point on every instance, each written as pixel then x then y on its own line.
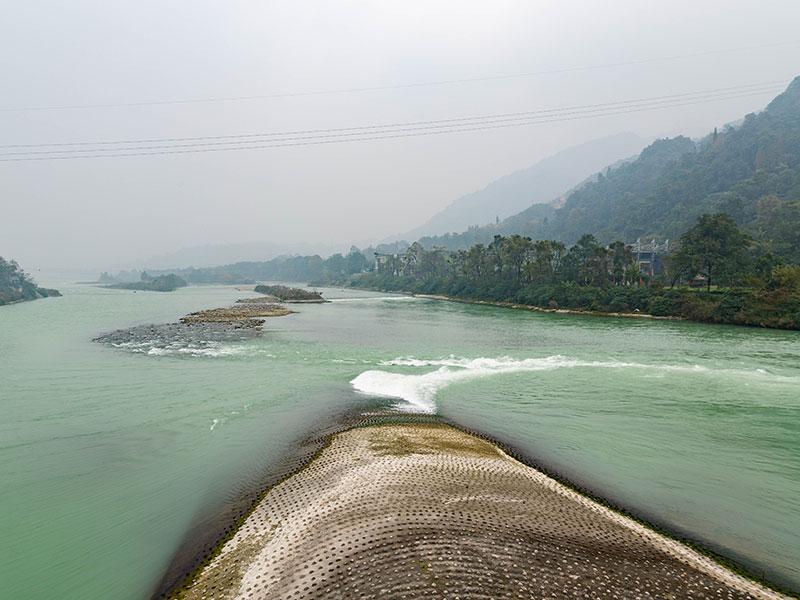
pixel 397 86
pixel 358 130
pixel 398 129
pixel 166 150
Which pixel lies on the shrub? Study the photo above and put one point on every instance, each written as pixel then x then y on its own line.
pixel 661 306
pixel 730 305
pixel 619 303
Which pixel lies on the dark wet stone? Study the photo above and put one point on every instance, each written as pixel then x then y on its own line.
pixel 180 338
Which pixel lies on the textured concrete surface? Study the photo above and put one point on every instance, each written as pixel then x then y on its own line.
pixel 427 511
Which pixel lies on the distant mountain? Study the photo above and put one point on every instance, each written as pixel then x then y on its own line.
pixel 539 184
pixel 750 171
pixel 533 221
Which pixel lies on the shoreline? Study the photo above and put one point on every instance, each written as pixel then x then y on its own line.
pixel 55 294
pixel 761 324
pixel 557 311
pixel 197 554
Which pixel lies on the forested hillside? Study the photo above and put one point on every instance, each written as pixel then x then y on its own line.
pixel 599 205
pixel 16 285
pixel 751 172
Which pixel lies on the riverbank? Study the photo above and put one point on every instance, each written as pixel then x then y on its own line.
pixel 560 311
pixel 410 509
pixel 17 286
pixel 9 297
pixel 766 308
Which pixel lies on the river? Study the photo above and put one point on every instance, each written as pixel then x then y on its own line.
pixel 108 454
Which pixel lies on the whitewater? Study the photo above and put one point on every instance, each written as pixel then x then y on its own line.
pixel 418 391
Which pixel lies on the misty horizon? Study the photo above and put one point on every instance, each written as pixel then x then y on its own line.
pixel 420 63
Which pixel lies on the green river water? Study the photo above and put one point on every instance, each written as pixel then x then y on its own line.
pixel 107 455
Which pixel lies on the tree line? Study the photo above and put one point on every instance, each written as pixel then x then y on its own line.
pixel 740 286
pixel 522 260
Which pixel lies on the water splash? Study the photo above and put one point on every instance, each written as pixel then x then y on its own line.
pixel 418 391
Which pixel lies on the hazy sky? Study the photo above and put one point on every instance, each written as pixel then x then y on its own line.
pixel 111 212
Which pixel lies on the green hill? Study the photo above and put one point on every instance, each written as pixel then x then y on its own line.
pixel 17 286
pixel 751 172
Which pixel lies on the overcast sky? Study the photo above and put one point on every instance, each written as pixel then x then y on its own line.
pixel 113 212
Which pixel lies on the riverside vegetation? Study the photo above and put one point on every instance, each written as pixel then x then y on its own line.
pixel 17 286
pixel 750 290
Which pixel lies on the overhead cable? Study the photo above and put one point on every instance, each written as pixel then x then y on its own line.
pixel 376 88
pixel 365 135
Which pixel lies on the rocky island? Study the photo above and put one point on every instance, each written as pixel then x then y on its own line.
pixel 17 286
pixel 161 283
pixel 200 332
pixel 282 293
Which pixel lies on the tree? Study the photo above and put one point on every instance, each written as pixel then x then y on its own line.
pixel 515 253
pixel 715 247
pixel 432 264
pixel 495 254
pixel 355 262
pixel 621 256
pixel 541 266
pixel 597 267
pixel 633 273
pixel 583 251
pixel 557 256
pixel 787 278
pixel 393 265
pixel 777 225
pixel 475 262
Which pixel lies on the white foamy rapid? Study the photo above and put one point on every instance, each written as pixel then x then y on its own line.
pixel 418 391
pixel 211 349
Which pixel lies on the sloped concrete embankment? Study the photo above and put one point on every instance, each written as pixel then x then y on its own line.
pixel 428 511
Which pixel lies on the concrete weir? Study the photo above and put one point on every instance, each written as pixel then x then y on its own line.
pixel 428 511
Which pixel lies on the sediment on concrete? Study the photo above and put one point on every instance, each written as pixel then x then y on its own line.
pixel 426 510
pixel 242 312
